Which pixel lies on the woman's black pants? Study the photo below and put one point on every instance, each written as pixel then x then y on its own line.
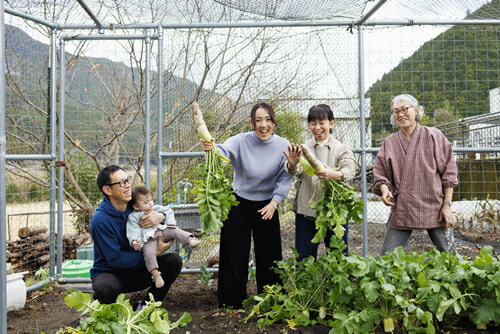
pixel 243 223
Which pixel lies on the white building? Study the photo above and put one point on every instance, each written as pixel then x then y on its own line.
pixel 484 130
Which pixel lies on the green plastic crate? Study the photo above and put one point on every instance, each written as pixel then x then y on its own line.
pixel 77 268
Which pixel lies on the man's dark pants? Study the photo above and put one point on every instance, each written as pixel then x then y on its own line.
pixel 107 286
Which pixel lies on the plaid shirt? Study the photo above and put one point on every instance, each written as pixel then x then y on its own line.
pixel 416 172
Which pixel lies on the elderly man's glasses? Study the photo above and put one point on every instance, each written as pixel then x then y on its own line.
pixel 403 110
pixel 122 183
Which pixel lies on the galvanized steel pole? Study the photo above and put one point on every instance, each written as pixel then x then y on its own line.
pixel 159 146
pixel 362 134
pixel 147 113
pixel 3 197
pixel 53 148
pixel 91 14
pixel 291 24
pixel 60 157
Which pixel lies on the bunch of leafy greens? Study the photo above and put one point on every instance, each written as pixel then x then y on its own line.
pixel 339 204
pixel 120 318
pixel 352 294
pixel 214 194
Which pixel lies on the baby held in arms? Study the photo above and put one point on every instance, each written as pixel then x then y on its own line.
pixel 147 238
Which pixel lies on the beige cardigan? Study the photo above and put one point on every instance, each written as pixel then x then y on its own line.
pixel 339 156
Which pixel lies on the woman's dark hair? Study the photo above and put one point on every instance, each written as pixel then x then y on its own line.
pixel 104 176
pixel 320 112
pixel 265 106
pixel 136 191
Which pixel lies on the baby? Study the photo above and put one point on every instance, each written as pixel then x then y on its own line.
pixel 146 238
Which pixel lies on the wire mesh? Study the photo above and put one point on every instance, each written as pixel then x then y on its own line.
pixel 206 11
pixel 299 10
pixel 452 70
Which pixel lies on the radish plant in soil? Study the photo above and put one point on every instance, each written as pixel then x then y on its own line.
pixel 214 194
pixel 416 292
pixel 119 317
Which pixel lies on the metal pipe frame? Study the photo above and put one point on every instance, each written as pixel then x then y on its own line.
pixel 278 24
pixel 38 285
pixel 103 37
pixel 456 149
pixel 91 14
pixel 182 154
pixel 370 13
pixel 147 112
pixel 21 157
pixel 31 157
pixel 64 280
pixel 3 179
pixel 60 156
pixel 362 22
pixel 53 149
pixel 30 17
pixel 159 145
pixel 322 23
pixel 362 135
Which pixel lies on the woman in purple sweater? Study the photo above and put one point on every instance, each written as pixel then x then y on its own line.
pixel 261 183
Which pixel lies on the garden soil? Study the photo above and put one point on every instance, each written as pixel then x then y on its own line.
pixel 46 312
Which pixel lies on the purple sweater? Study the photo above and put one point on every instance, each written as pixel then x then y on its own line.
pixel 259 166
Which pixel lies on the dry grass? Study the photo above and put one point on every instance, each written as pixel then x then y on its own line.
pixel 34 214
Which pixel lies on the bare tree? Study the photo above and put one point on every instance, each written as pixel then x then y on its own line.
pixel 225 69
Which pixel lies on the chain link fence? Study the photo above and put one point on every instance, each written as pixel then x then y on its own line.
pixel 110 92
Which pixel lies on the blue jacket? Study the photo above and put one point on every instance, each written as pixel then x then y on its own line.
pixel 112 251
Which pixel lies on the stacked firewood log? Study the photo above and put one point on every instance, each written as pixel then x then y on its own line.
pixel 31 250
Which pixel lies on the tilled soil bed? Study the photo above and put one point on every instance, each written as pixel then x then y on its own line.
pixel 45 311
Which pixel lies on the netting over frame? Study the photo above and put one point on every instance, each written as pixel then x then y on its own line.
pixel 299 10
pixel 209 11
pixel 452 70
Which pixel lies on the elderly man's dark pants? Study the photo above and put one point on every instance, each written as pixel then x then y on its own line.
pixel 243 223
pixel 107 286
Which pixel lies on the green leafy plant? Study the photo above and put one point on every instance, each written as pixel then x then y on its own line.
pixel 206 277
pixel 214 194
pixel 410 291
pixel 119 317
pixel 40 275
pixel 339 203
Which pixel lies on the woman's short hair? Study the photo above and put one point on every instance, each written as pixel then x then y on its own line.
pixel 265 106
pixel 320 112
pixel 412 101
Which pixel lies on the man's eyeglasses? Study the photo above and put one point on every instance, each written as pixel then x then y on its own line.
pixel 122 183
pixel 403 110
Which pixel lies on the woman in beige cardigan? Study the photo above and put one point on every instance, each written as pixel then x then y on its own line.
pixel 340 164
